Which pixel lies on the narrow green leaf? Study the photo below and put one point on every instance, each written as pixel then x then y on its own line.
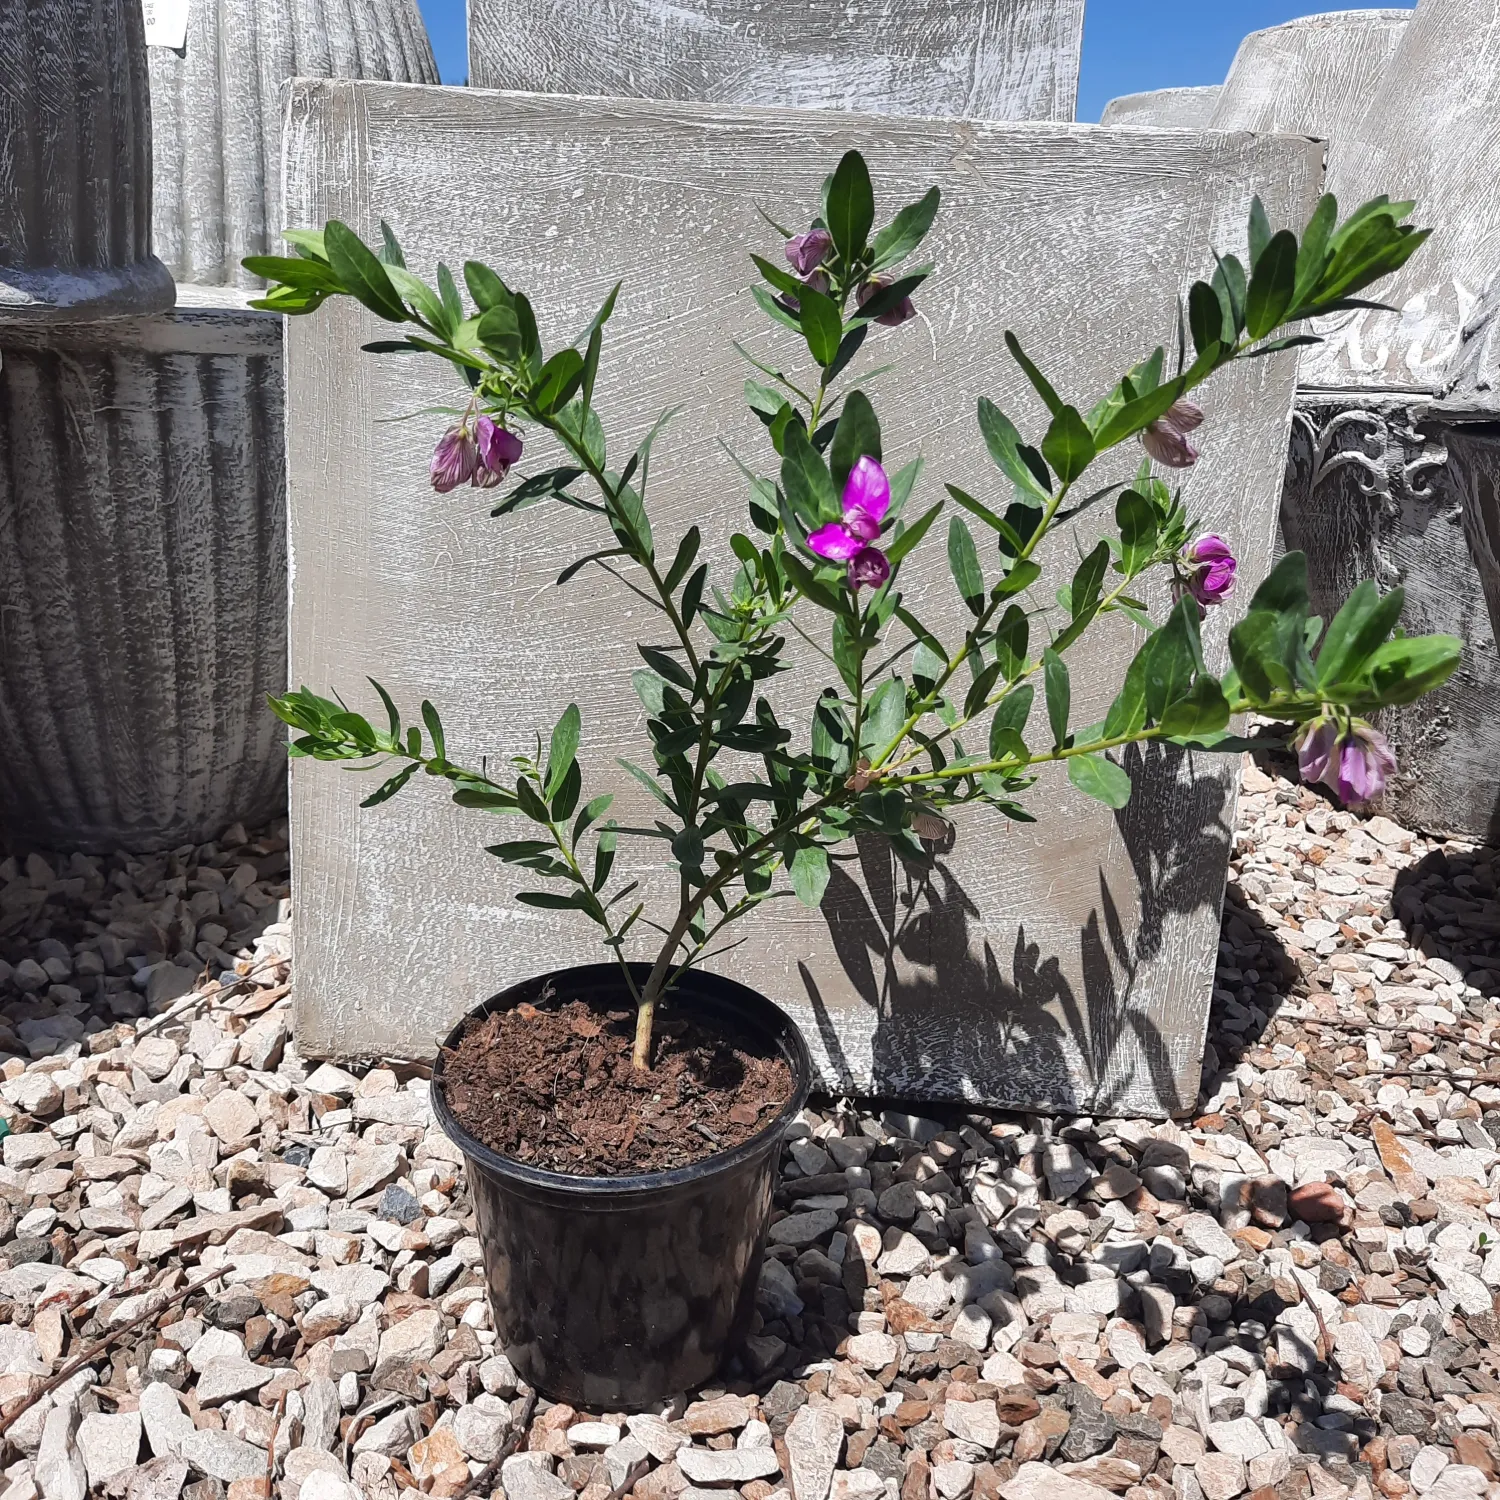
pixel 1170 658
pixel 1358 628
pixel 963 562
pixel 1136 517
pixel 563 748
pixel 907 537
pixel 1005 448
pixel 1011 714
pixel 857 436
pixel 687 551
pixel 1039 381
pixel 1069 445
pixel 821 325
pixel 1100 779
pixel 809 874
pixel 905 232
pixel 435 729
pixel 1012 639
pixel 1260 230
pixel 1204 709
pixel 851 207
pixel 806 481
pixel 1059 695
pixel 1272 285
pixel 362 274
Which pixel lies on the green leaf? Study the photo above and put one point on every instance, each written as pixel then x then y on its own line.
pixel 591 814
pixel 1011 714
pixel 857 436
pixel 687 848
pixel 847 653
pixel 1039 381
pixel 774 310
pixel 963 562
pixel 1260 230
pixel 1100 779
pixel 1229 283
pixel 1004 444
pixel 1135 416
pixel 903 481
pixel 552 900
pixel 851 207
pixel 884 715
pixel 809 874
pixel 821 325
pixel 779 277
pixel 565 798
pixel 1069 445
pixel 628 519
pixel 499 331
pixel 1358 628
pixel 363 276
pixel 1136 517
pixel 1127 713
pixel 1312 257
pixel 485 287
pixel 806 481
pixel 530 803
pixel 1401 671
pixel 1012 638
pixel 980 689
pixel 906 231
pixel 687 551
pixel 311 275
pixel 563 749
pixel 435 729
pixel 604 852
pixel 559 380
pixel 1203 710
pixel 1020 577
pixel 1268 646
pixel 1088 582
pixel 1169 659
pixel 1059 695
pixel 907 537
pixel 1207 317
pixel 1272 285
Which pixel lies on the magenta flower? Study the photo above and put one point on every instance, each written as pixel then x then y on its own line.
pixel 499 450
pixel 808 251
pixel 1211 568
pixel 455 460
pixel 1166 439
pixel 1355 762
pixel 901 313
pixel 867 497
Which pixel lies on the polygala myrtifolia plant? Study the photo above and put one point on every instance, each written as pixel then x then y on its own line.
pixel 918 725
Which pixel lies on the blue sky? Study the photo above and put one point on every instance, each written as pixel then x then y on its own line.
pixel 1128 45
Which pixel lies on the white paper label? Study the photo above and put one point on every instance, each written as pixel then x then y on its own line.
pixel 166 23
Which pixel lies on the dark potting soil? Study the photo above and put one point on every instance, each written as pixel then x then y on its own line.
pixel 552 1085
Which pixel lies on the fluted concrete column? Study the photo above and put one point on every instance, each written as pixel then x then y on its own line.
pixel 217 105
pixel 75 183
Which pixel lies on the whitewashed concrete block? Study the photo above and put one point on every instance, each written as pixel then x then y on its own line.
pixel 1431 131
pixel 142 578
pixel 1163 109
pixel 75 181
pixel 218 102
pixel 975 59
pixel 1067 964
pixel 1311 76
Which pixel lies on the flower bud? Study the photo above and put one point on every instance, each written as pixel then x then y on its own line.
pixel 1211 568
pixel 454 460
pixel 808 251
pixel 893 317
pixel 1355 762
pixel 1166 439
pixel 499 449
pixel 868 566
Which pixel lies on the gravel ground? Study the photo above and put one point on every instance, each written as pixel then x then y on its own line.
pixel 1289 1295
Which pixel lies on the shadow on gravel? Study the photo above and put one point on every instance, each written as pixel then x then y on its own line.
pixel 1255 978
pixel 1448 906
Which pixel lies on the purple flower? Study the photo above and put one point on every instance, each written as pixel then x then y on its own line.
pixel 1211 570
pixel 455 460
pixel 808 251
pixel 1166 439
pixel 499 449
pixel 818 281
pixel 867 497
pixel 901 313
pixel 1355 762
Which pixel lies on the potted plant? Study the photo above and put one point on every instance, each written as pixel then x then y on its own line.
pixel 621 1121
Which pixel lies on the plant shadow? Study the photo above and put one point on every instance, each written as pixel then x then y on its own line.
pixel 1029 1028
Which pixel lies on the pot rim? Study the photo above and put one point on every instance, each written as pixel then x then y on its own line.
pixel 794 1048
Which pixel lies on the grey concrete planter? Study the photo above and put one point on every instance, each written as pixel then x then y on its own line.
pixel 75 188
pixel 142 578
pixel 1163 109
pixel 217 110
pixel 971 59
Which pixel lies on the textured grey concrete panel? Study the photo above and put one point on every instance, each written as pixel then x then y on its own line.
pixel 1066 964
pixel 1312 76
pixel 142 578
pixel 218 105
pixel 75 169
pixel 1431 132
pixel 1163 109
pixel 975 59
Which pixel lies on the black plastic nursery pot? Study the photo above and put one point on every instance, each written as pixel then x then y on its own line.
pixel 611 1293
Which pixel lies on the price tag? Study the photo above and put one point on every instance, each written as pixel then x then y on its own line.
pixel 166 23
